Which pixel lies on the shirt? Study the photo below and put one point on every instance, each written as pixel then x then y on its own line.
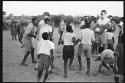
pixel 44 28
pixel 93 26
pixel 103 22
pixel 67 38
pixel 110 35
pixel 62 26
pixel 30 30
pixel 44 47
pixel 107 53
pixel 72 26
pixel 82 23
pixel 87 36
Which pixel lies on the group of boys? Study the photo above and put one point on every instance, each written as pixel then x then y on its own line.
pixel 42 31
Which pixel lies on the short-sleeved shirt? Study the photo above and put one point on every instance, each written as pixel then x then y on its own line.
pixel 108 54
pixel 41 22
pixel 30 30
pixel 87 36
pixel 44 28
pixel 103 22
pixel 67 38
pixel 44 47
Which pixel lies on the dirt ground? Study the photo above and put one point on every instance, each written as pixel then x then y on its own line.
pixel 13 72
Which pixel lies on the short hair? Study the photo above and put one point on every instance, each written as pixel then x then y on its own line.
pixel 104 11
pixel 69 28
pixel 109 46
pixel 34 18
pixel 87 24
pixel 109 30
pixel 46 19
pixel 110 16
pixel 45 35
pixel 101 49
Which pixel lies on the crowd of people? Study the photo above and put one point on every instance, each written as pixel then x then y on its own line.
pixel 103 36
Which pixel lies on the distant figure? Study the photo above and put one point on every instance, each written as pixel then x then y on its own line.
pixel 21 32
pixel 62 28
pixel 13 29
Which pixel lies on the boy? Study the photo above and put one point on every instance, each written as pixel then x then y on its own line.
pixel 27 41
pixel 86 37
pixel 106 56
pixel 68 39
pixel 110 38
pixel 45 53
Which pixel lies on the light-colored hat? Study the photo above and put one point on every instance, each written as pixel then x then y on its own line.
pixel 46 17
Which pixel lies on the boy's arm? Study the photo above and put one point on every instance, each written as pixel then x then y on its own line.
pixel 51 52
pixel 76 41
pixel 113 39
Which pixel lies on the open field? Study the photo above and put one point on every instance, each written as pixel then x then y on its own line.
pixel 13 72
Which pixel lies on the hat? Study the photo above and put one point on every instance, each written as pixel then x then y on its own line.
pixel 46 17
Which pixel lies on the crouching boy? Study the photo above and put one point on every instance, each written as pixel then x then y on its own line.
pixel 107 57
pixel 45 50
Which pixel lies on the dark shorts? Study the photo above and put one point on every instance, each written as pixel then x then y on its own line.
pixel 68 52
pixel 44 62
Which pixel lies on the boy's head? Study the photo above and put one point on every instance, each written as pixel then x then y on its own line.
pixel 69 28
pixel 45 36
pixel 110 30
pixel 109 46
pixel 101 49
pixel 87 24
pixel 47 20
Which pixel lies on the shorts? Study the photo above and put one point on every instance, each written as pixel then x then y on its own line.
pixel 27 43
pixel 108 60
pixel 44 62
pixel 101 38
pixel 68 52
pixel 86 49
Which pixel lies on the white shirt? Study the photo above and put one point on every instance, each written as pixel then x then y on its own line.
pixel 82 23
pixel 62 26
pixel 86 36
pixel 30 30
pixel 67 38
pixel 110 35
pixel 41 22
pixel 121 23
pixel 103 22
pixel 44 28
pixel 107 53
pixel 44 47
pixel 72 26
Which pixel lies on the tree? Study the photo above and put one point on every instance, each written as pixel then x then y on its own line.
pixel 4 13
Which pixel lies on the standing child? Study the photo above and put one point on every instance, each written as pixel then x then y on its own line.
pixel 45 53
pixel 110 38
pixel 68 39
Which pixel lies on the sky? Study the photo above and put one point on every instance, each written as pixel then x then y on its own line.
pixel 74 8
